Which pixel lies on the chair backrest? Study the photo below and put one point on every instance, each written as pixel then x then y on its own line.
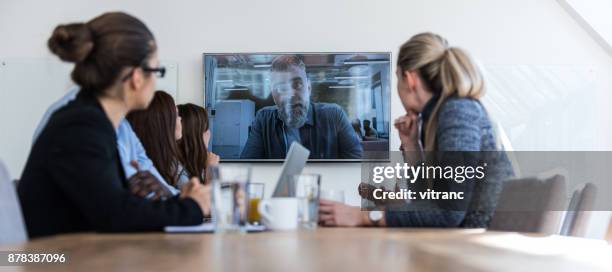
pixel 531 205
pixel 570 215
pixel 579 211
pixel 12 228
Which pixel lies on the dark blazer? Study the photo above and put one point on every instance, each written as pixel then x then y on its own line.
pixel 73 180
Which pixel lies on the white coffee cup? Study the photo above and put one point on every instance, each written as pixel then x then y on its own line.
pixel 279 213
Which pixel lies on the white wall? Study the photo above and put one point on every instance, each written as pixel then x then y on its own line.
pixel 497 32
pixel 594 16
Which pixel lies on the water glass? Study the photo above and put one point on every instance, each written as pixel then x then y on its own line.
pixel 307 192
pixel 333 195
pixel 230 199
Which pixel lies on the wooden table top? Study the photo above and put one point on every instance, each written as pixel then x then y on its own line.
pixel 324 249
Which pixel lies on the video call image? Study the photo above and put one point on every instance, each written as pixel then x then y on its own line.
pixel 334 104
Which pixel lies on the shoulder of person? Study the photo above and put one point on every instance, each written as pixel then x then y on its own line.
pixel 76 120
pixel 328 108
pixel 81 114
pixel 456 109
pixel 266 112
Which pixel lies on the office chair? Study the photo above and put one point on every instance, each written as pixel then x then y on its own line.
pixel 531 205
pixel 579 211
pixel 12 227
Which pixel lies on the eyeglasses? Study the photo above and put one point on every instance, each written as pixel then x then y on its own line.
pixel 160 71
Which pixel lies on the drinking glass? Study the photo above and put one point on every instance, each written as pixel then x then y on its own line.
pixel 230 199
pixel 256 194
pixel 333 195
pixel 307 192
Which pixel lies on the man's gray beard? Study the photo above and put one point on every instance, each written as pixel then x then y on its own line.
pixel 296 119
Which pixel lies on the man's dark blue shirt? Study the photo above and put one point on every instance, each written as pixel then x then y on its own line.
pixel 327 133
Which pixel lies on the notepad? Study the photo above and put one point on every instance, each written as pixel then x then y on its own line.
pixel 207 227
pixel 204 227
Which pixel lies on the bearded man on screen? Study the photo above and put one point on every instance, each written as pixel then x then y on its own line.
pixel 323 128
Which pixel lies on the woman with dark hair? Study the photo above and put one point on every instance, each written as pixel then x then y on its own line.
pixel 193 146
pixel 74 180
pixel 159 129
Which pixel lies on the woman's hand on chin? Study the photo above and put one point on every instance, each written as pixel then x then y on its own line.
pixel 408 129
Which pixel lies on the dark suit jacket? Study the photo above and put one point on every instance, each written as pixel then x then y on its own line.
pixel 73 180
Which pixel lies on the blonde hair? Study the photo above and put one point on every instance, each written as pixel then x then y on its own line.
pixel 446 71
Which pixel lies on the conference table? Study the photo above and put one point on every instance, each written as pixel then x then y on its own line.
pixel 323 249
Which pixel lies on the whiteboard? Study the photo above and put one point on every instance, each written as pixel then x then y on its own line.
pixel 27 88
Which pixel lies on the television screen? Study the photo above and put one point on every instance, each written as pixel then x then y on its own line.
pixel 334 104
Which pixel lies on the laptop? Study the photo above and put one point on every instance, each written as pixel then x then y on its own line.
pixel 294 164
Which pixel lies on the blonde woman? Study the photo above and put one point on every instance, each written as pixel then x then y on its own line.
pixel 440 86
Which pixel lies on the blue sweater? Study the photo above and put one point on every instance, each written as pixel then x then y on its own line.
pixel 463 125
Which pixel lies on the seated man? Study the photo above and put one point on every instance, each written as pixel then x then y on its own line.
pixel 323 128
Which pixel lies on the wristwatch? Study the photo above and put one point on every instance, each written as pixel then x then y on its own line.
pixel 375 217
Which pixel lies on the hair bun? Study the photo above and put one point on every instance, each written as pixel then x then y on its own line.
pixel 71 42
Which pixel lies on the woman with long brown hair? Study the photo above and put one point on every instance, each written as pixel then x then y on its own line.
pixel 74 180
pixel 193 146
pixel 159 129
